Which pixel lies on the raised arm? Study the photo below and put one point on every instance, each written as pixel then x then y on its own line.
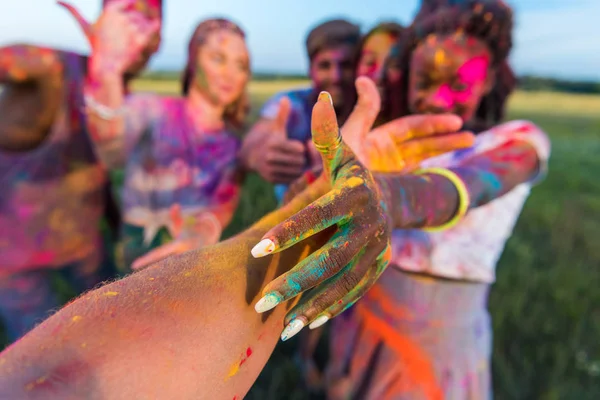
pixel 117 39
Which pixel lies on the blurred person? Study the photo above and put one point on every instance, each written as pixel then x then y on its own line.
pixel 278 146
pixel 181 182
pixel 373 53
pixel 202 324
pixel 423 330
pixel 54 188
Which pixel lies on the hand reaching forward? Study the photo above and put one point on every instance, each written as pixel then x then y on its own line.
pixel 402 144
pixel 340 272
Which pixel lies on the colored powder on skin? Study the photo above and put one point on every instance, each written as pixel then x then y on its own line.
pixel 111 294
pixel 76 318
pixel 236 367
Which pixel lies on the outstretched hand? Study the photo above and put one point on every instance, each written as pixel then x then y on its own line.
pixel 341 271
pixel 402 144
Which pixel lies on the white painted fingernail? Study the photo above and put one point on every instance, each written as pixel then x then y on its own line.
pixel 292 329
pixel 319 321
pixel 267 302
pixel 263 248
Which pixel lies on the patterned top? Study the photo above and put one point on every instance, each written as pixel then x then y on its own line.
pixel 169 162
pixel 298 124
pixel 52 197
pixel 471 249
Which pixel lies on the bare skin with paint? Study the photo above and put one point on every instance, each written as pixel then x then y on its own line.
pixel 181 326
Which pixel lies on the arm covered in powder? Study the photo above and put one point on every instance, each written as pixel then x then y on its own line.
pixel 426 200
pixel 184 328
pixel 187 327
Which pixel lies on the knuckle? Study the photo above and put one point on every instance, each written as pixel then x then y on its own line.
pixel 349 281
pixel 320 303
pixel 334 262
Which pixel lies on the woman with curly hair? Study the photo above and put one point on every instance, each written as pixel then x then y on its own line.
pixel 423 331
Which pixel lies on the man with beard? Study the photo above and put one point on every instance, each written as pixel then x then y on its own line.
pixel 54 187
pixel 278 146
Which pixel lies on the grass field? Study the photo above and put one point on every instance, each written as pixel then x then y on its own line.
pixel 546 302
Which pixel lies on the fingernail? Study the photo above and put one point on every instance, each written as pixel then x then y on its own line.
pixel 325 95
pixel 267 302
pixel 263 248
pixel 319 321
pixel 292 329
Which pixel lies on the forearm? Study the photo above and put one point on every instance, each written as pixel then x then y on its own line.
pixel 23 63
pixel 185 328
pixel 430 200
pixel 492 174
pixel 104 88
pixel 419 201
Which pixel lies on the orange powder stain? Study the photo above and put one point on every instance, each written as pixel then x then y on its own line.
pixel 236 367
pixel 76 318
pixel 37 382
pixel 111 294
pixel 420 375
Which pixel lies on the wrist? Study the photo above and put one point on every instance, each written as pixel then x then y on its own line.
pixel 102 68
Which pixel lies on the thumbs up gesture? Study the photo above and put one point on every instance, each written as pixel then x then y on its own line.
pixel 269 152
pixel 402 144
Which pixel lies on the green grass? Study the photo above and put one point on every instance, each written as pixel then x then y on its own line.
pixel 546 302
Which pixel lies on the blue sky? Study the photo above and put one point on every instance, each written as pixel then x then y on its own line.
pixel 552 38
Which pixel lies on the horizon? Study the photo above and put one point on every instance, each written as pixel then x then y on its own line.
pixel 552 39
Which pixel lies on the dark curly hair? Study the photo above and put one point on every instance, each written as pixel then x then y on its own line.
pixel 487 20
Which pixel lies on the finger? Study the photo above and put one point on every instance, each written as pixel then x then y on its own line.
pixel 285 179
pixel 365 112
pixel 359 291
pixel 288 146
pixel 416 126
pixel 286 170
pixel 282 160
pixel 280 122
pixel 348 285
pixel 326 211
pixel 83 24
pixel 326 135
pixel 155 255
pixel 418 150
pixel 382 154
pixel 314 269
